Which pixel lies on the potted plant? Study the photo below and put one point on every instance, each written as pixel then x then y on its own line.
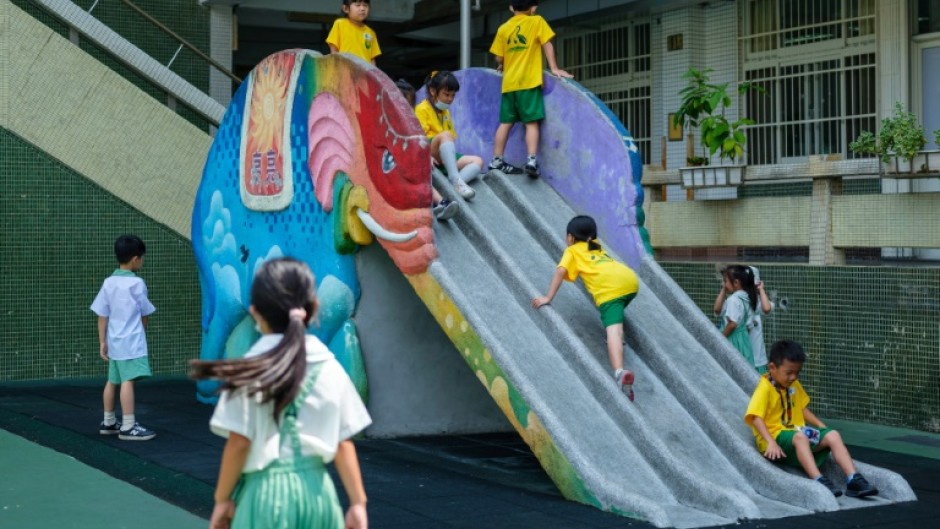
pixel 704 106
pixel 898 144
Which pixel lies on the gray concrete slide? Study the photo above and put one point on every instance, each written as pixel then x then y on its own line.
pixel 680 455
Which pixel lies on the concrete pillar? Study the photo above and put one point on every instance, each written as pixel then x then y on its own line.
pixel 821 250
pixel 893 55
pixel 220 49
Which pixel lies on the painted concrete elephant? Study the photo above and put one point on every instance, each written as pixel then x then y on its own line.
pixel 316 155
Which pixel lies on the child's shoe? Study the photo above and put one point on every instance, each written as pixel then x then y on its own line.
pixel 445 209
pixel 532 168
pixel 464 190
pixel 625 380
pixel 113 429
pixel 137 433
pixel 859 487
pixel 830 485
pixel 498 164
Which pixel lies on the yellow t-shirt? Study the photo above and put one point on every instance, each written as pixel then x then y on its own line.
pixel 432 121
pixel 604 278
pixel 778 411
pixel 519 42
pixel 358 40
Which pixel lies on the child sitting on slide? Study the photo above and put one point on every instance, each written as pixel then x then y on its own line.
pixel 778 415
pixel 442 208
pixel 434 115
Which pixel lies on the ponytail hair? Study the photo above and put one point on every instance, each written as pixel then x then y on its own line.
pixel 583 229
pixel 442 80
pixel 745 275
pixel 283 294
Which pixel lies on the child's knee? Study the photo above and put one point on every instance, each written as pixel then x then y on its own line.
pixel 800 439
pixel 832 438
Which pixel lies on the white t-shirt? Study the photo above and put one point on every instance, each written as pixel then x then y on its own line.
pixel 123 300
pixel 331 413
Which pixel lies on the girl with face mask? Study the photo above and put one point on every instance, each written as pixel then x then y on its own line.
pixel 434 115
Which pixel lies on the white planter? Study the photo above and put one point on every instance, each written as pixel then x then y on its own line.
pixel 712 176
pixel 925 162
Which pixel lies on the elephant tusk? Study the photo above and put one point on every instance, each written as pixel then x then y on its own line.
pixel 381 232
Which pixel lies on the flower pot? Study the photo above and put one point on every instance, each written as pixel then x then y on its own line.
pixel 712 176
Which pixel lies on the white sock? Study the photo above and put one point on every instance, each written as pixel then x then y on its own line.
pixel 127 422
pixel 109 418
pixel 617 374
pixel 470 172
pixel 449 159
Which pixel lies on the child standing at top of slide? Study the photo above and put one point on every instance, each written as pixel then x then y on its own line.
pixel 734 303
pixel 519 45
pixel 613 285
pixel 286 408
pixel 352 35
pixel 434 115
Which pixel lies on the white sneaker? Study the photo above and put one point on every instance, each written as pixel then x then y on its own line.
pixel 464 190
pixel 625 380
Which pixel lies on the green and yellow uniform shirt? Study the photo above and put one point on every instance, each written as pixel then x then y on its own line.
pixel 604 278
pixel 432 121
pixel 358 40
pixel 519 42
pixel 780 409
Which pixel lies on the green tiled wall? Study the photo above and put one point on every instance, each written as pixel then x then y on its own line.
pixel 185 17
pixel 872 335
pixel 56 247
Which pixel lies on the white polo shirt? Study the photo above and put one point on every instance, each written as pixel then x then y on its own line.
pixel 123 300
pixel 332 412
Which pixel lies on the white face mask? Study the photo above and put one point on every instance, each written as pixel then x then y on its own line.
pixel 441 106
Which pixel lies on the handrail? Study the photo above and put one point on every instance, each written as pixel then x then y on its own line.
pixel 182 41
pixel 125 52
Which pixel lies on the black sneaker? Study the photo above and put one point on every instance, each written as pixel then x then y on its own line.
pixel 830 485
pixel 532 168
pixel 504 167
pixel 445 209
pixel 137 433
pixel 113 429
pixel 859 487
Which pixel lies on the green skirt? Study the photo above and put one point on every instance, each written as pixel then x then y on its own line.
pixel 286 495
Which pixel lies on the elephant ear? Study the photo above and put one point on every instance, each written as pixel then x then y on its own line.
pixel 331 144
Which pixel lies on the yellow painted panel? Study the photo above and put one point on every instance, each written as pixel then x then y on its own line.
pixel 766 221
pixel 876 221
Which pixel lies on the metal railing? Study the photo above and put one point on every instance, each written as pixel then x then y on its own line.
pixel 81 22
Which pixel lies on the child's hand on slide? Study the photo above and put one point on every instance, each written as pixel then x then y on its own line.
pixel 540 301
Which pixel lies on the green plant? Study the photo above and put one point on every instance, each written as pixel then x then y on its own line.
pixel 703 106
pixel 900 135
pixel 936 138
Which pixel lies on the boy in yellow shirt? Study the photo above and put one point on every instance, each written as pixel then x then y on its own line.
pixel 778 413
pixel 519 45
pixel 352 35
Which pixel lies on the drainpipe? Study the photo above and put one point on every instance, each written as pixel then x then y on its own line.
pixel 464 34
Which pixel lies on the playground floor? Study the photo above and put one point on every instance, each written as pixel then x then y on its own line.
pixel 56 471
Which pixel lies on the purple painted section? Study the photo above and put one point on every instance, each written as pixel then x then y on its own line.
pixel 585 154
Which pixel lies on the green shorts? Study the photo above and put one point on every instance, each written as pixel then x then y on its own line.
pixel 523 106
pixel 443 169
pixel 612 311
pixel 127 370
pixel 785 440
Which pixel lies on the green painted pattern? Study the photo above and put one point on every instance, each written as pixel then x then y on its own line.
pixel 519 413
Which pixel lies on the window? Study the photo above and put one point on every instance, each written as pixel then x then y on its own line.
pixel 815 61
pixel 615 63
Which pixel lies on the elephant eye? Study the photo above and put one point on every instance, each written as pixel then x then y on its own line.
pixel 388 162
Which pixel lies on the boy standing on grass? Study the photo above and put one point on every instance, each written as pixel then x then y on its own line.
pixel 518 47
pixel 122 308
pixel 778 415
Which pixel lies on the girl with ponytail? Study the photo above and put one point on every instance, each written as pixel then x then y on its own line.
pixel 612 284
pixel 286 408
pixel 735 302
